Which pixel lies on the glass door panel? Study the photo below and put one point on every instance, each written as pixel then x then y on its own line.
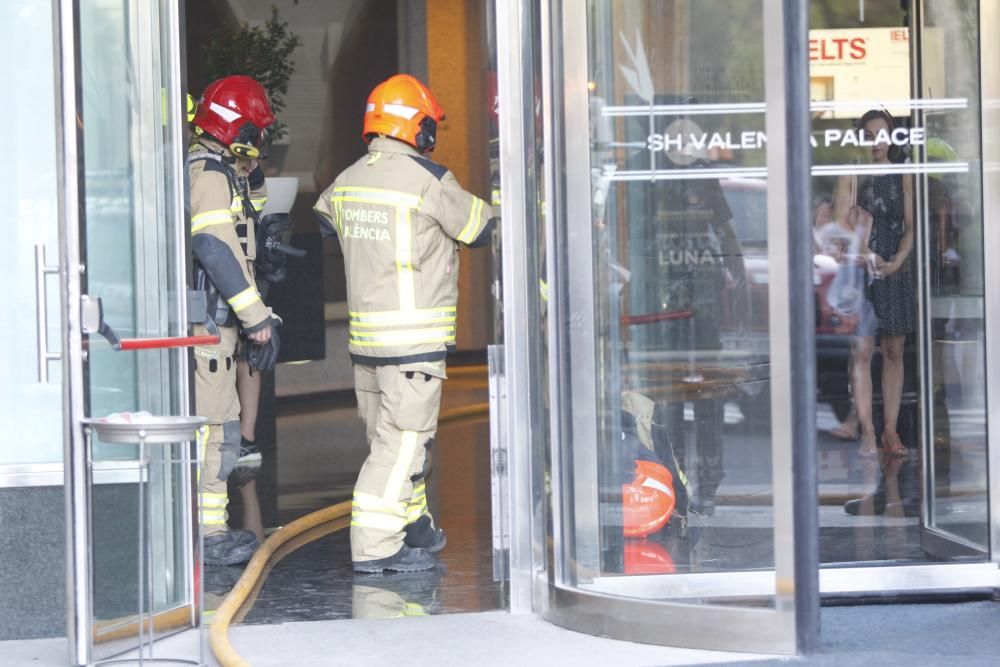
pixel 953 250
pixel 898 229
pixel 671 478
pixel 132 257
pixel 680 231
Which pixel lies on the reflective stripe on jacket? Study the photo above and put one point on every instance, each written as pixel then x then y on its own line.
pixel 399 217
pixel 223 235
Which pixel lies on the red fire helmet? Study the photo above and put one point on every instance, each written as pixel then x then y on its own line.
pixel 235 111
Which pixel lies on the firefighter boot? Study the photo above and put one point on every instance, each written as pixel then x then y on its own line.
pixel 228 548
pixel 243 537
pixel 404 560
pixel 421 534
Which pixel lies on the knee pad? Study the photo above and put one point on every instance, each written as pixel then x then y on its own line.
pixel 229 450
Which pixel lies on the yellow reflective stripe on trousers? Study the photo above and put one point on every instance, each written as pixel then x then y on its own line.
pixel 201 441
pixel 370 511
pixel 219 216
pixel 383 522
pixel 407 292
pixel 401 468
pixel 244 299
pixel 413 609
pixel 402 317
pixel 416 508
pixel 370 503
pixel 472 227
pixel 213 508
pixel 402 337
pixel 214 499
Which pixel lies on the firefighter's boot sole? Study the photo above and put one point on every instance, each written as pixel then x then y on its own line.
pixel 405 560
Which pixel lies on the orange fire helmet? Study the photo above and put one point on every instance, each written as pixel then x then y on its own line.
pixel 649 500
pixel 403 108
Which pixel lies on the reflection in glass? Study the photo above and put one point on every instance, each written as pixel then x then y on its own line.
pixel 916 491
pixel 679 295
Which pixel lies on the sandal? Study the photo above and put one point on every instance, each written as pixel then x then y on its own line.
pixel 868 448
pixel 892 445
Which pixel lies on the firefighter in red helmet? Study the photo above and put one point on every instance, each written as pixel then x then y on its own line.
pixel 400 218
pixel 227 192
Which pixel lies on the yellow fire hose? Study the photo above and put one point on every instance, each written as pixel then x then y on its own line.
pixel 283 541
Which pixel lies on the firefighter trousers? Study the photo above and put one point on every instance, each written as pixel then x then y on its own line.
pixel 217 401
pixel 399 405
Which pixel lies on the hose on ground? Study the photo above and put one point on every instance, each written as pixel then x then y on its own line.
pixel 219 632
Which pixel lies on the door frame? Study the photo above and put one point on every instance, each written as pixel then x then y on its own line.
pixel 989 81
pixel 536 576
pixel 82 630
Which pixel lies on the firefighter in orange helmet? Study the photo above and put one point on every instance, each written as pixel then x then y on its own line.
pixel 400 218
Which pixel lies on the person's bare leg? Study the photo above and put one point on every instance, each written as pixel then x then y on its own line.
pixel 248 388
pixel 861 384
pixel 252 520
pixel 892 391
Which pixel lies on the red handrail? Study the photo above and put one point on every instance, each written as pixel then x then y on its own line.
pixel 163 343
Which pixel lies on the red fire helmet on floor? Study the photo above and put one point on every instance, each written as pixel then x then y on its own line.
pixel 649 500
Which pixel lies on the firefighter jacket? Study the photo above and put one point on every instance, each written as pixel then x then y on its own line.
pixel 400 217
pixel 222 229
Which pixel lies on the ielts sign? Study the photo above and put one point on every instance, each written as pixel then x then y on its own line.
pixel 848 47
pixel 859 64
pixel 837 49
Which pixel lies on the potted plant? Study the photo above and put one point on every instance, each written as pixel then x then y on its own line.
pixel 263 52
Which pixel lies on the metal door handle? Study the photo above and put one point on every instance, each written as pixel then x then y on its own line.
pixel 42 313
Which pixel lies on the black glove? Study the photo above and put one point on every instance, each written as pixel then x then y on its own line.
pixel 263 357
